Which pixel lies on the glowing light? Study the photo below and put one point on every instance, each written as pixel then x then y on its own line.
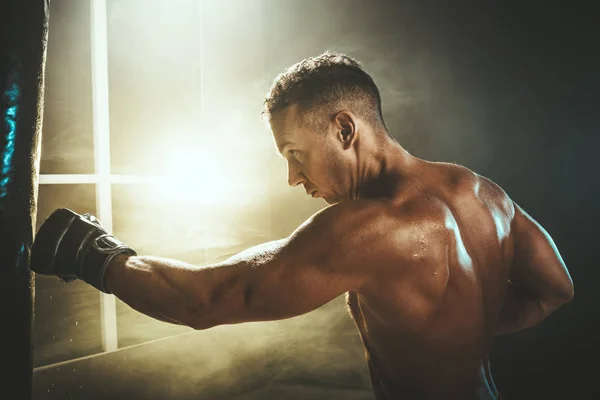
pixel 206 177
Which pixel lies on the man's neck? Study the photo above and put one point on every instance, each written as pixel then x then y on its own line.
pixel 385 172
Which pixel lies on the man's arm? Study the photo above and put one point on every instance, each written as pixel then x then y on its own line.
pixel 539 280
pixel 330 254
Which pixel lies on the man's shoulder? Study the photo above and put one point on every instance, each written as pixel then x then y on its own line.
pixel 465 181
pixel 401 225
pixel 459 185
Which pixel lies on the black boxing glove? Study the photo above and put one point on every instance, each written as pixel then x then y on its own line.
pixel 73 246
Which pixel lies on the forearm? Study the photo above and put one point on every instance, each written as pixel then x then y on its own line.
pixel 158 287
pixel 521 310
pixel 180 293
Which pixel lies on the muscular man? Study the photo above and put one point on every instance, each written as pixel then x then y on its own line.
pixel 435 259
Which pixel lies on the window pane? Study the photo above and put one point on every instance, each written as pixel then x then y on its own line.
pixel 67 141
pixel 67 315
pixel 153 56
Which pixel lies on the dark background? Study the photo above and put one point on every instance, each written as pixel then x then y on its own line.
pixel 535 74
pixel 508 89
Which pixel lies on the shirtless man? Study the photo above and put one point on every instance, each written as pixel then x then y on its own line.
pixel 435 259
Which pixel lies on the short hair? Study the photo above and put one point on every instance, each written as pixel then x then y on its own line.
pixel 326 83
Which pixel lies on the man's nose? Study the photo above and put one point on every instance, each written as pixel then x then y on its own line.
pixel 295 177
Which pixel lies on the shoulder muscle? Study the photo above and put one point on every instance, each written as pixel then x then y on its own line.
pixel 371 238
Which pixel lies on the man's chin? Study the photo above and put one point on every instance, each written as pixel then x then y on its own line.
pixel 331 200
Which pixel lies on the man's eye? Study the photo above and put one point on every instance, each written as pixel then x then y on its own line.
pixel 294 153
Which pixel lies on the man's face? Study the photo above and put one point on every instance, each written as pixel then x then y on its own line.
pixel 315 160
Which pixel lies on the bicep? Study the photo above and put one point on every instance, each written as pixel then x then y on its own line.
pixel 538 267
pixel 286 288
pixel 310 268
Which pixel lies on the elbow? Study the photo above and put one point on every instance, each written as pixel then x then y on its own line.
pixel 223 306
pixel 568 295
pixel 568 291
pixel 200 325
pixel 559 298
pixel 197 317
pixel 205 314
pixel 200 321
pixel 563 291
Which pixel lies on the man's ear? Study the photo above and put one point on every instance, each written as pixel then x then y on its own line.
pixel 346 127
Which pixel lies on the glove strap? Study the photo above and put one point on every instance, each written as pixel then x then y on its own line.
pixel 98 256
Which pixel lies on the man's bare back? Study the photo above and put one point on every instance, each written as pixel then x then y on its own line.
pixel 430 336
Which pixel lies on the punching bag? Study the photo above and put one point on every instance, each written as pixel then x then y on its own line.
pixel 23 42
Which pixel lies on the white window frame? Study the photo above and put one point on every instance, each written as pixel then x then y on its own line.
pixel 102 177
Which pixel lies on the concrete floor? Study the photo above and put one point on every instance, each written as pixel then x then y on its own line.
pixel 314 356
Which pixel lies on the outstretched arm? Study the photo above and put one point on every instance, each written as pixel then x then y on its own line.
pixel 322 259
pixel 539 280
